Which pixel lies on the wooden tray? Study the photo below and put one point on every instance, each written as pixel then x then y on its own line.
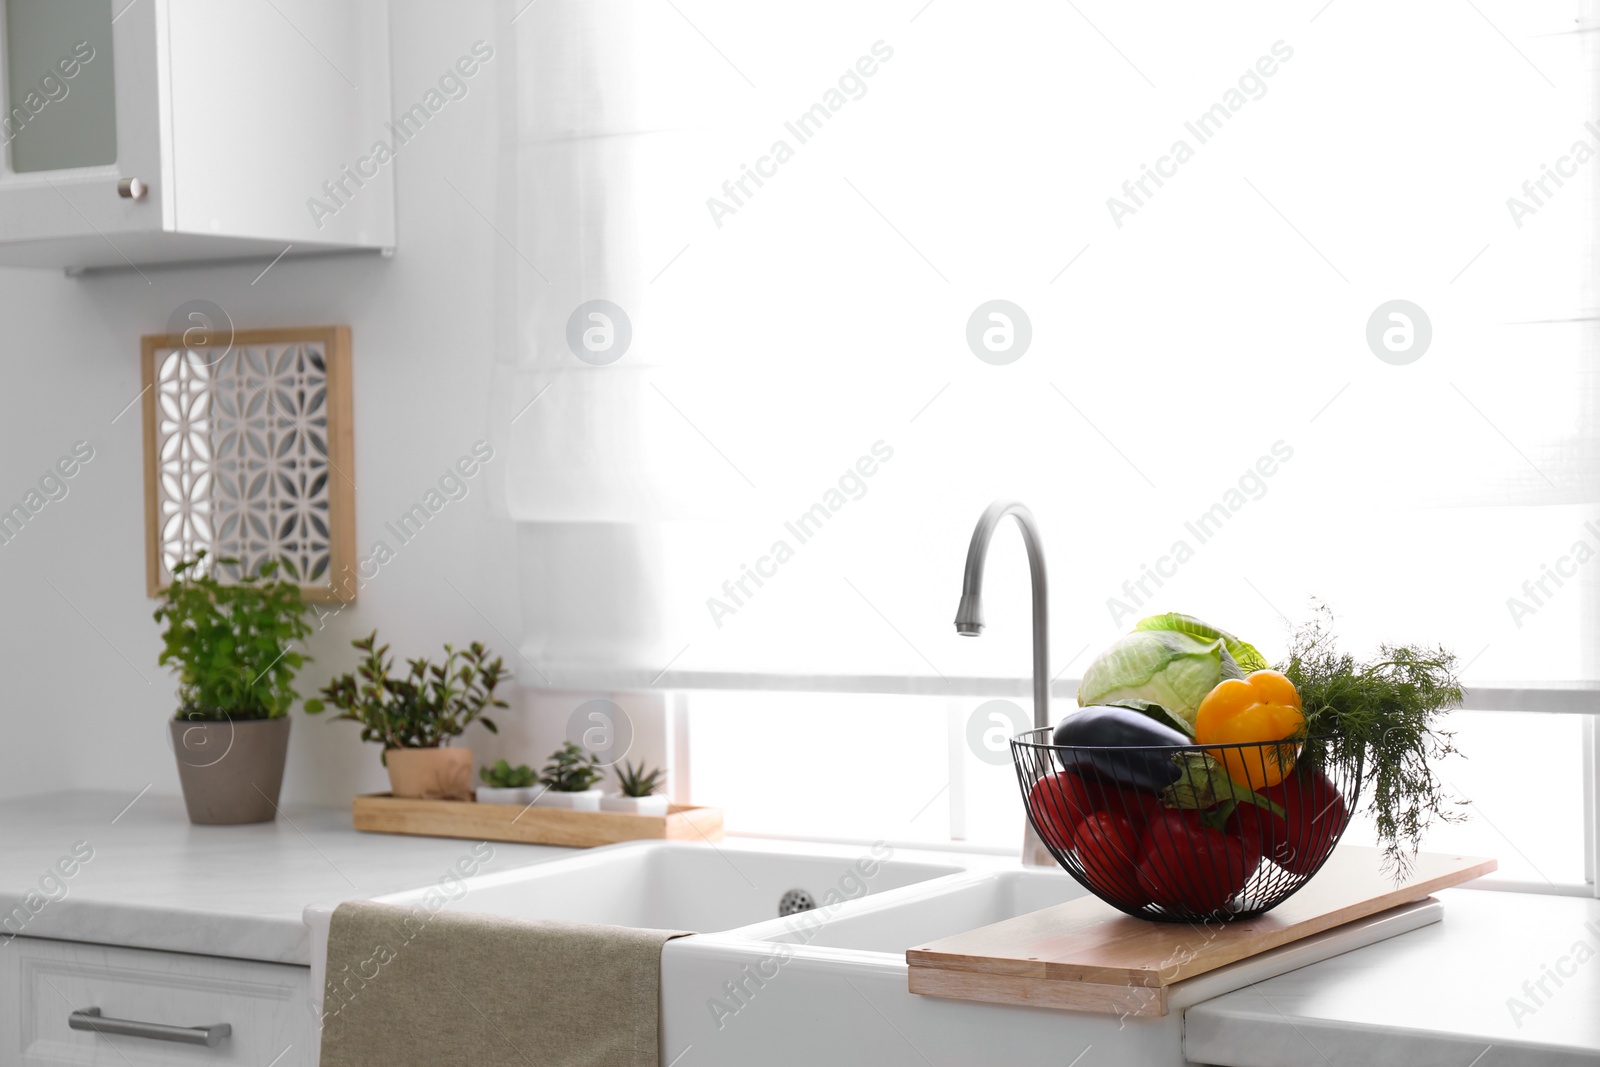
pixel 1088 956
pixel 386 814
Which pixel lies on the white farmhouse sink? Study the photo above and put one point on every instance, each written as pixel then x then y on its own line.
pixel 658 884
pixel 790 992
pixel 884 926
pixel 830 985
pixel 787 992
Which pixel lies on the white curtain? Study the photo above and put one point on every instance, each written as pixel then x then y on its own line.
pixel 1199 345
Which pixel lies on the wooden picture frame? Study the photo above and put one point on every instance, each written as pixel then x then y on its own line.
pixel 249 453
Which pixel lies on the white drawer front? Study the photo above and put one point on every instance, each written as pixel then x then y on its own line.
pixel 42 982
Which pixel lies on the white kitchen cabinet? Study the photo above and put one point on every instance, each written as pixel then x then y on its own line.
pixel 149 131
pixel 265 1007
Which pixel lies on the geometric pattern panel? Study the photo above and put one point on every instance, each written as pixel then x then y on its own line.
pixel 247 456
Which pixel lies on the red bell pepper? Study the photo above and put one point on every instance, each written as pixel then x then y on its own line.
pixel 1107 845
pixel 1062 800
pixel 1057 802
pixel 1314 814
pixel 1186 865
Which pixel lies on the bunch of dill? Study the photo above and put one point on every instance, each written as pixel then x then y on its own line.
pixel 1385 717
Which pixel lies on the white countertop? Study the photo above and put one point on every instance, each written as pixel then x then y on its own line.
pixel 156 881
pixel 1438 995
pixel 1451 994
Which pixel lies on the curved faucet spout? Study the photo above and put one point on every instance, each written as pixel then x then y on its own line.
pixel 969 616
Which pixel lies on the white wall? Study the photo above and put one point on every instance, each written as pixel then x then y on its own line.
pixel 84 704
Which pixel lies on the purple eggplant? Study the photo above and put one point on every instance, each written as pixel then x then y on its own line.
pixel 1120 745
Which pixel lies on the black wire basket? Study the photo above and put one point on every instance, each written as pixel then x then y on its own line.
pixel 1108 819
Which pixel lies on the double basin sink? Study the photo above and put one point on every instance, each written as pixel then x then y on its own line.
pixel 799 951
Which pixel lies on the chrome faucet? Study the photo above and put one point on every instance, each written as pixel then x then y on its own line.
pixel 969 623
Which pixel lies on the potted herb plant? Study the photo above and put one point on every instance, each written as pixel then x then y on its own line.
pixel 507 784
pixel 569 780
pixel 414 716
pixel 230 647
pixel 638 794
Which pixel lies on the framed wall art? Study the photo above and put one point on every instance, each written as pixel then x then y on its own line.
pixel 248 455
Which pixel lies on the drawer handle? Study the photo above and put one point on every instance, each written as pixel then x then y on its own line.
pixel 91 1019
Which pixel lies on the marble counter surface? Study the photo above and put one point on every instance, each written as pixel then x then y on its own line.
pixel 1504 979
pixel 91 866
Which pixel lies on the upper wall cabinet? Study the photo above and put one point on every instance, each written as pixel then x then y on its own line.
pixel 151 131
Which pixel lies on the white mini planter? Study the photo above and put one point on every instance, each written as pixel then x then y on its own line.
pixel 655 804
pixel 588 800
pixel 512 795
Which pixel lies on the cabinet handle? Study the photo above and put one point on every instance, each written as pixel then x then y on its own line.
pixel 132 189
pixel 91 1019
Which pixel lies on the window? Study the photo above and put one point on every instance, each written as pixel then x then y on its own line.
pixel 1307 307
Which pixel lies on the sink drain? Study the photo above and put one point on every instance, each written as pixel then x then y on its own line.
pixel 795 901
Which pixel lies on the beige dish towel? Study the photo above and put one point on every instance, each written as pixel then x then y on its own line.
pixel 412 988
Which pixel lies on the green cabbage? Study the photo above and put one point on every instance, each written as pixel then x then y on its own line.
pixel 1243 653
pixel 1172 660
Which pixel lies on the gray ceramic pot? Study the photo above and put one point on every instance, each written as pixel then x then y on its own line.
pixel 230 771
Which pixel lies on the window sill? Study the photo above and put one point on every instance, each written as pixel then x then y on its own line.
pixel 1571 698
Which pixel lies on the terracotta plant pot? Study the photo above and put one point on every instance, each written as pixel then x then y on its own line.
pixel 430 773
pixel 230 771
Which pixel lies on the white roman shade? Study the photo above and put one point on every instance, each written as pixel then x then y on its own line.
pixel 1198 422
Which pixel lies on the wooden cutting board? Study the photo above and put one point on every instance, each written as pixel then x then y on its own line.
pixel 1088 956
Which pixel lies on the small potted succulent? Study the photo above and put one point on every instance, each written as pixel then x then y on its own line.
pixel 638 795
pixel 414 716
pixel 569 780
pixel 507 784
pixel 230 644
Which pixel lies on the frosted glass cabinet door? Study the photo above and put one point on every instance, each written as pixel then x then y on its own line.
pixel 81 113
pixel 61 106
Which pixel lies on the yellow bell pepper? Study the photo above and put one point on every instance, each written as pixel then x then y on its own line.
pixel 1262 707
